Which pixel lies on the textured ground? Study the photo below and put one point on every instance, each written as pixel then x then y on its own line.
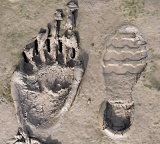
pixel 97 20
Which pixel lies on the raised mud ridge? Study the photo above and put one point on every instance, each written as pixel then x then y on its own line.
pixel 123 62
pixel 46 82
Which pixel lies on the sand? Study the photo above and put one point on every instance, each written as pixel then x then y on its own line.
pixel 97 22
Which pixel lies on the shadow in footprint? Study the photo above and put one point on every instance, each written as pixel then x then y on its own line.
pixel 78 37
pixel 42 30
pixel 49 29
pixel 116 119
pixel 84 58
pixel 50 141
pixel 75 13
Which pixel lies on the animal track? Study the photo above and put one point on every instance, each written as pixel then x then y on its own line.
pixel 50 71
pixel 123 63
